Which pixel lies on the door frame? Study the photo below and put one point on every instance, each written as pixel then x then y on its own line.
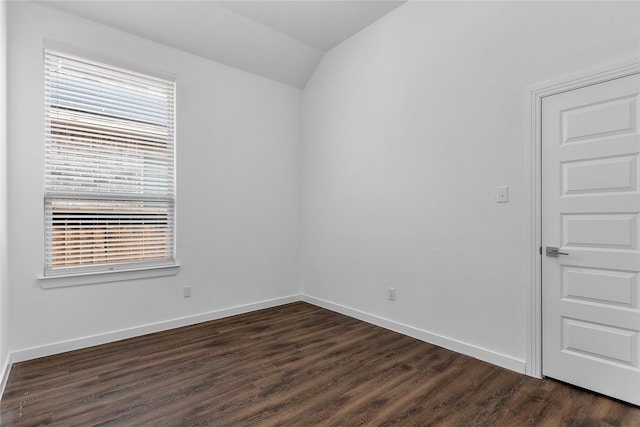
pixel 533 168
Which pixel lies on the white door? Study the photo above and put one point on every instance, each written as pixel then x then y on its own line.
pixel 590 211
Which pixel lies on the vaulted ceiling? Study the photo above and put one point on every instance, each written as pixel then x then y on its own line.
pixel 280 40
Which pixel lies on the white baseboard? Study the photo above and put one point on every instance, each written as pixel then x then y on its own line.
pixel 476 352
pixel 480 353
pixel 5 369
pixel 78 343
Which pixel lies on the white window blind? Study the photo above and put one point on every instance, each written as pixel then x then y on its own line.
pixel 109 167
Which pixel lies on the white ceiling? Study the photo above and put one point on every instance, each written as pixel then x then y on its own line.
pixel 321 24
pixel 280 40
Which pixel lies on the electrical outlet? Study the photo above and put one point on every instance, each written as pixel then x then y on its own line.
pixel 391 293
pixel 186 291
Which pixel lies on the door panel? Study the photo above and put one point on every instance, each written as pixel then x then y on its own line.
pixel 614 231
pixel 609 174
pixel 601 342
pixel 591 203
pixel 600 286
pixel 600 119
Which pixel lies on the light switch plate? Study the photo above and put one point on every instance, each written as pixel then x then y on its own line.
pixel 502 194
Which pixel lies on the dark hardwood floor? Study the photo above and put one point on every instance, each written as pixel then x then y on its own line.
pixel 294 365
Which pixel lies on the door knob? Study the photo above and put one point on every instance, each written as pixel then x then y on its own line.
pixel 554 251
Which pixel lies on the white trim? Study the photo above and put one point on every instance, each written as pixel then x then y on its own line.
pixel 533 165
pixel 480 353
pixel 5 370
pixel 79 343
pixel 90 278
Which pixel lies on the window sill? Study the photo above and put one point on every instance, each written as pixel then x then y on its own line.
pixel 65 280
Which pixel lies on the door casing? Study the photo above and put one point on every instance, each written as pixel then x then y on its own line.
pixel 533 165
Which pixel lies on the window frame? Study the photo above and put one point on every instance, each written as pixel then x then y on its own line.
pixel 109 271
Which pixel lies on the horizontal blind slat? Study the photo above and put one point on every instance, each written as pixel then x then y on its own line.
pixel 69 132
pixel 92 120
pixel 59 61
pixel 92 72
pixel 77 85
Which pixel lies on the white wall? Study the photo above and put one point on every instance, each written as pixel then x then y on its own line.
pixel 238 180
pixel 4 297
pixel 408 128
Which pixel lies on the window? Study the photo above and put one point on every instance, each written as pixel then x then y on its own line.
pixel 109 168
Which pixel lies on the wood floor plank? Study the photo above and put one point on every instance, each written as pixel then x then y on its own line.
pixel 292 365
